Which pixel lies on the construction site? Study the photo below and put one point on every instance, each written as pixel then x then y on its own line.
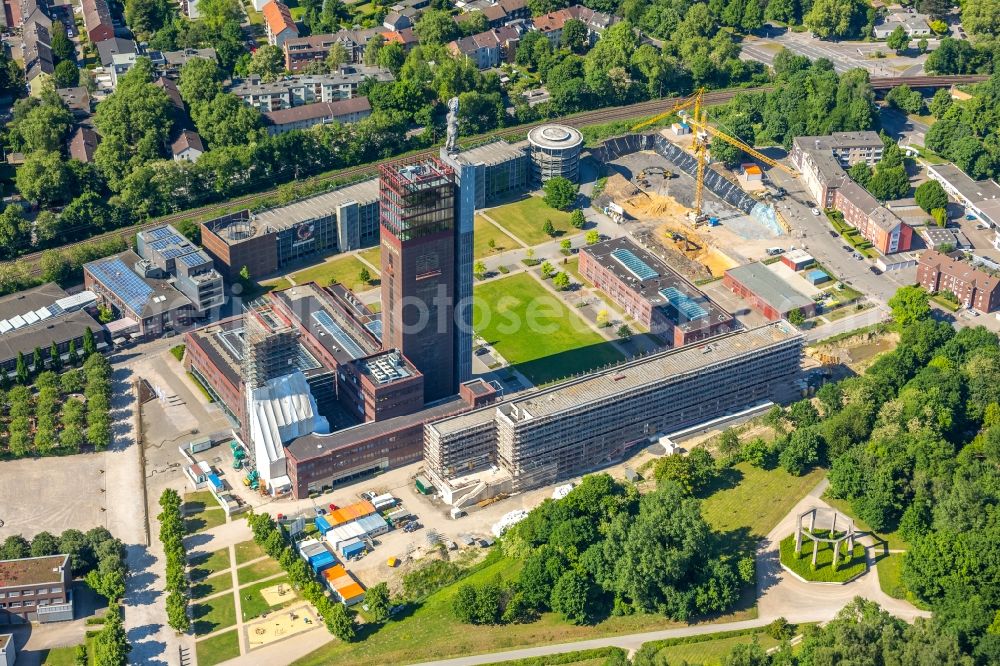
pixel 699 216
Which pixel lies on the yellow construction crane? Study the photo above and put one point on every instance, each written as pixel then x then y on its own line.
pixel 698 121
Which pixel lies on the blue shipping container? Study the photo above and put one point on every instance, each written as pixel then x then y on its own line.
pixel 322 525
pixel 215 481
pixel 322 561
pixel 352 548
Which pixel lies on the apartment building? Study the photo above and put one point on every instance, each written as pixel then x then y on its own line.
pixel 279 23
pixel 822 161
pixel 303 117
pixel 301 51
pixel 975 288
pixel 551 24
pixel 293 91
pixel 488 49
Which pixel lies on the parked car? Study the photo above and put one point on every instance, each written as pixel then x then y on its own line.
pixel 815 211
pixel 320 511
pixel 847 248
pixel 875 270
pixel 369 495
pixel 833 233
pixel 333 507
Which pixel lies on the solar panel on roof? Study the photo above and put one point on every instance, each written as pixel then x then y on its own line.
pixel 337 333
pixel 167 241
pixel 634 264
pixel 174 252
pixel 117 277
pixel 683 303
pixel 193 259
pixel 159 232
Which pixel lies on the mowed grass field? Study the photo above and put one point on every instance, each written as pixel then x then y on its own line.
pixel 431 632
pixel 344 270
pixel 536 332
pixel 754 500
pixel 485 231
pixel 219 648
pixel 524 219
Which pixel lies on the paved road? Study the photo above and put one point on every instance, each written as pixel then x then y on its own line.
pixel 844 55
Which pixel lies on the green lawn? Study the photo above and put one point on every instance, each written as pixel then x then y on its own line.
pixel 890 575
pixel 524 220
pixel 753 500
pixel 373 256
pixel 485 232
pixel 824 571
pixel 211 585
pixel 595 657
pixel 572 266
pixel 66 656
pixel 343 269
pixel 257 570
pixel 198 501
pixel 214 614
pixel 204 565
pixel 248 550
pixel 253 603
pixel 432 632
pixel 204 520
pixel 710 651
pixel 218 649
pixel 535 331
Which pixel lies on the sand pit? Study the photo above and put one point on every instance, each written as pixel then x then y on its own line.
pixel 278 594
pixel 281 624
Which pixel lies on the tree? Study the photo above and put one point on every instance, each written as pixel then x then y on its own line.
pixel 112 646
pixel 940 103
pixel 602 318
pixel 624 331
pixel 337 57
pixel 200 81
pixel 177 615
pixel 940 216
pixel 377 601
pixel 922 44
pixel 898 40
pixel 981 18
pixel 796 317
pixel 729 442
pixel 479 270
pixel 909 305
pixel 577 219
pixel 571 596
pixel 889 183
pixel 89 344
pixel 62 47
pixel 836 18
pixel 21 371
pixel 905 98
pixel 801 452
pixel 71 356
pixel 40 125
pixel 931 195
pixel 391 56
pixel 593 237
pixel 15 231
pixel 66 74
pixel 548 228
pixel 560 281
pixel 44 544
pixel 574 35
pixel 147 16
pixel 15 547
pixel 226 121
pixel 364 277
pixel 860 173
pixel 37 364
pixel 548 270
pixel 435 27
pixel 55 362
pixel 216 13
pixel 560 193
pixel 45 178
pixel 267 62
pixel 80 656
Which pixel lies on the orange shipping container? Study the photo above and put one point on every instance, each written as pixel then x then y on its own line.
pixel 350 512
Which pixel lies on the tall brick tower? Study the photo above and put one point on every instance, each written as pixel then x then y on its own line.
pixel 419 270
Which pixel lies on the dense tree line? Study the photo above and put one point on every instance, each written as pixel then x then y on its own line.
pixel 96 556
pixel 605 549
pixel 171 521
pixel 269 535
pixel 968 133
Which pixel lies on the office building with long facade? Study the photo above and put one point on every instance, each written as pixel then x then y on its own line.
pixel 581 424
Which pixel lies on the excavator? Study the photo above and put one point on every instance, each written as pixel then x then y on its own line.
pixel 698 121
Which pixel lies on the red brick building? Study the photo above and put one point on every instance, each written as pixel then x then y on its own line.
pixel 766 292
pixel 655 296
pixel 975 288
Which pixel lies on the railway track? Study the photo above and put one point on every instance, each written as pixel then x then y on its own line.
pixel 597 117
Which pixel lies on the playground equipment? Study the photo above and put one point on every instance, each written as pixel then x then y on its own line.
pixel 252 480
